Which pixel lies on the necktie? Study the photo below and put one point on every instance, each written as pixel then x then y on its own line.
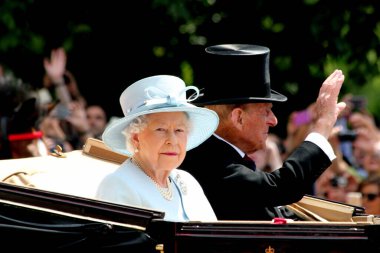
pixel 249 162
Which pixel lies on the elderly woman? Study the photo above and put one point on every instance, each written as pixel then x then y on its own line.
pixel 158 128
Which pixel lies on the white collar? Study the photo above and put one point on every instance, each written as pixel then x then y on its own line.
pixel 241 153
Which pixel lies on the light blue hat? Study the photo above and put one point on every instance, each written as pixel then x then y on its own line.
pixel 160 93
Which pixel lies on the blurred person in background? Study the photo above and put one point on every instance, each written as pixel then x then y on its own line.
pixel 340 178
pixel 366 145
pixel 97 120
pixel 345 173
pixel 297 128
pixel 370 191
pixel 270 158
pixel 19 115
pixel 59 84
pixel 65 121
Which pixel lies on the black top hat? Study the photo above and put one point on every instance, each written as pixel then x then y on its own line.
pixel 236 73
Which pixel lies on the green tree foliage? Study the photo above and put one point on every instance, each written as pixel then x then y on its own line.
pixel 307 38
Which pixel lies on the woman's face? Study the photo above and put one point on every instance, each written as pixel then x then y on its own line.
pixel 371 162
pixel 371 198
pixel 162 144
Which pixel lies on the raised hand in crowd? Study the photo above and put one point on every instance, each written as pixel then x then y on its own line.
pixel 64 101
pixel 55 66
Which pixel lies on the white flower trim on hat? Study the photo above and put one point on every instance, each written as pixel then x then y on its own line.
pixel 204 121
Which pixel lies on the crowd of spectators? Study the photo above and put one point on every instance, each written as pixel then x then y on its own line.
pixel 54 114
pixel 61 115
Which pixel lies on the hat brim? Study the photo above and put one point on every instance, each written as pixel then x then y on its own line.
pixel 275 97
pixel 204 123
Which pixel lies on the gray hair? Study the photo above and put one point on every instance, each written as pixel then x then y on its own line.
pixel 137 125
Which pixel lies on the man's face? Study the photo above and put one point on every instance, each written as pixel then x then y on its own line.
pixel 257 118
pixel 97 120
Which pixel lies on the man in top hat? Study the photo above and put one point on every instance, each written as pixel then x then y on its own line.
pixel 235 189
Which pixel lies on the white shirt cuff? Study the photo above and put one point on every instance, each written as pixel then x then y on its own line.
pixel 323 143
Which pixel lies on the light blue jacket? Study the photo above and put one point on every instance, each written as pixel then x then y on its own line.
pixel 129 185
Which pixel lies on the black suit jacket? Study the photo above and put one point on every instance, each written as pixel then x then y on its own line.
pixel 239 193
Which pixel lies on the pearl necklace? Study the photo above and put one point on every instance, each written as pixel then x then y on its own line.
pixel 166 192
